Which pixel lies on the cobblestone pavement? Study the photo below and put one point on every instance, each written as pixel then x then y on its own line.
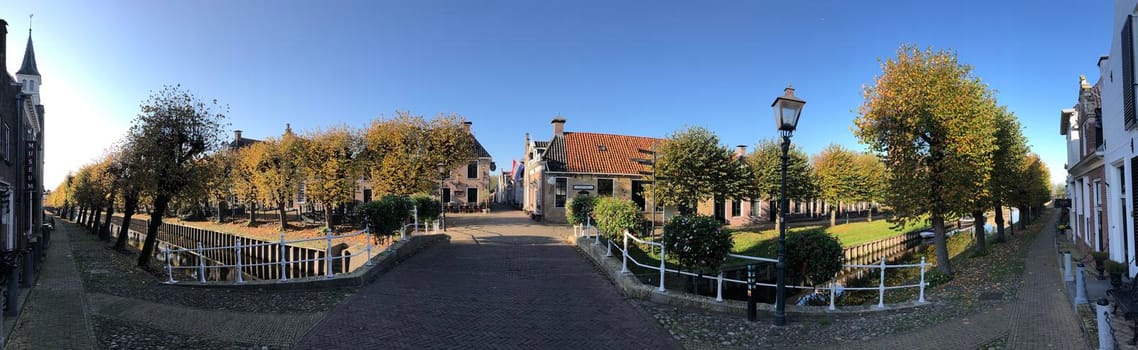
pixel 55 313
pixel 1040 317
pixel 1034 313
pixel 502 282
pixel 127 308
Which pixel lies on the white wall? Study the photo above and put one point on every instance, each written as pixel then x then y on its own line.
pixel 1117 138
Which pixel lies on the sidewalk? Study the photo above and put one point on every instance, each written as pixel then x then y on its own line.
pixel 55 314
pixel 1095 289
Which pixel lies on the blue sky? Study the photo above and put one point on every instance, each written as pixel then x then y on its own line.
pixel 637 67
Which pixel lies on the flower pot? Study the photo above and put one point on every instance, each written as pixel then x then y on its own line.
pixel 1116 279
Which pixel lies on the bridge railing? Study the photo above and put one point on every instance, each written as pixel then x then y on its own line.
pixel 239 251
pixel 587 231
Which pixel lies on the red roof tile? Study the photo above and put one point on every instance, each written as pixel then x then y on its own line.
pixel 605 153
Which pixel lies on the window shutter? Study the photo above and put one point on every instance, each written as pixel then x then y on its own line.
pixel 1128 72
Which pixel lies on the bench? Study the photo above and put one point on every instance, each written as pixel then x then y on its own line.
pixel 1126 298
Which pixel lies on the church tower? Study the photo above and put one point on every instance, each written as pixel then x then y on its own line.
pixel 29 74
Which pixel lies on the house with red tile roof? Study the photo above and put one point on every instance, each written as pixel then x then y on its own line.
pixel 583 163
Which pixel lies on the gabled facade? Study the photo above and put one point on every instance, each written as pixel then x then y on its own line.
pixel 469 184
pixel 21 168
pixel 1086 179
pixel 572 164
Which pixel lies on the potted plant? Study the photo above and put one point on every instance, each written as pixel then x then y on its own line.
pixel 1100 259
pixel 1116 269
pixel 1062 227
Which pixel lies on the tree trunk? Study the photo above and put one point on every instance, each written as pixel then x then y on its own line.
pixel 328 217
pixel 130 205
pixel 252 209
pixel 1024 217
pixel 95 220
pixel 156 214
pixel 999 222
pixel 283 215
pixel 942 262
pixel 833 218
pixel 978 230
pixel 220 214
pixel 82 215
pixel 869 214
pixel 105 230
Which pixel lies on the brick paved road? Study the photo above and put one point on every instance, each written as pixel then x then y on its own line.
pixel 501 283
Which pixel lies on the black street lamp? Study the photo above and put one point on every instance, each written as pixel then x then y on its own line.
pixel 787 109
pixel 442 206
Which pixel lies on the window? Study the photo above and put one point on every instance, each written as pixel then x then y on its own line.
pixel 1128 72
pixel 1098 127
pixel 756 208
pixel 604 187
pixel 367 195
pixel 446 195
pixel 301 196
pixel 560 191
pixel 638 194
pixel 471 195
pixel 472 170
pixel 736 208
pixel 5 134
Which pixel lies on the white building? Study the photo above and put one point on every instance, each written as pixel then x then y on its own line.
pixel 1120 128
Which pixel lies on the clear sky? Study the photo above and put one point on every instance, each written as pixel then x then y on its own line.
pixel 642 68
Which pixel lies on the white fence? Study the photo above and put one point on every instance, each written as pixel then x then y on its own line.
pixel 588 231
pixel 283 264
pixel 239 251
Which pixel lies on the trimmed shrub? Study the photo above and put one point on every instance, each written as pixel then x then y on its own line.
pixel 580 208
pixel 614 215
pixel 813 257
pixel 428 207
pixel 697 242
pixel 386 215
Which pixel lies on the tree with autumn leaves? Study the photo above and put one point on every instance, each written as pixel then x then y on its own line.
pixel 937 127
pixel 401 154
pixel 330 161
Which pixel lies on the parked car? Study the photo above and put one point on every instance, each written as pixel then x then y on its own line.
pixel 926 234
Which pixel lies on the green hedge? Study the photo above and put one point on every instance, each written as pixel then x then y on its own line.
pixel 428 207
pixel 386 216
pixel 580 208
pixel 614 215
pixel 697 242
pixel 813 257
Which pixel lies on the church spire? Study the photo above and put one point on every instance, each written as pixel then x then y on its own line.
pixel 29 66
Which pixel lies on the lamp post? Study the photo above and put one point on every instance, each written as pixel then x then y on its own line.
pixel 787 109
pixel 442 206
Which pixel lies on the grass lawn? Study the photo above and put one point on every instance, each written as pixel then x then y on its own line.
pixel 765 243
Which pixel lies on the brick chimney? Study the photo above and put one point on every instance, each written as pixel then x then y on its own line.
pixel 466 126
pixel 236 135
pixel 740 150
pixel 558 126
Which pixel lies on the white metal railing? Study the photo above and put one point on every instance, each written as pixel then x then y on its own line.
pixel 283 246
pixel 283 263
pixel 720 279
